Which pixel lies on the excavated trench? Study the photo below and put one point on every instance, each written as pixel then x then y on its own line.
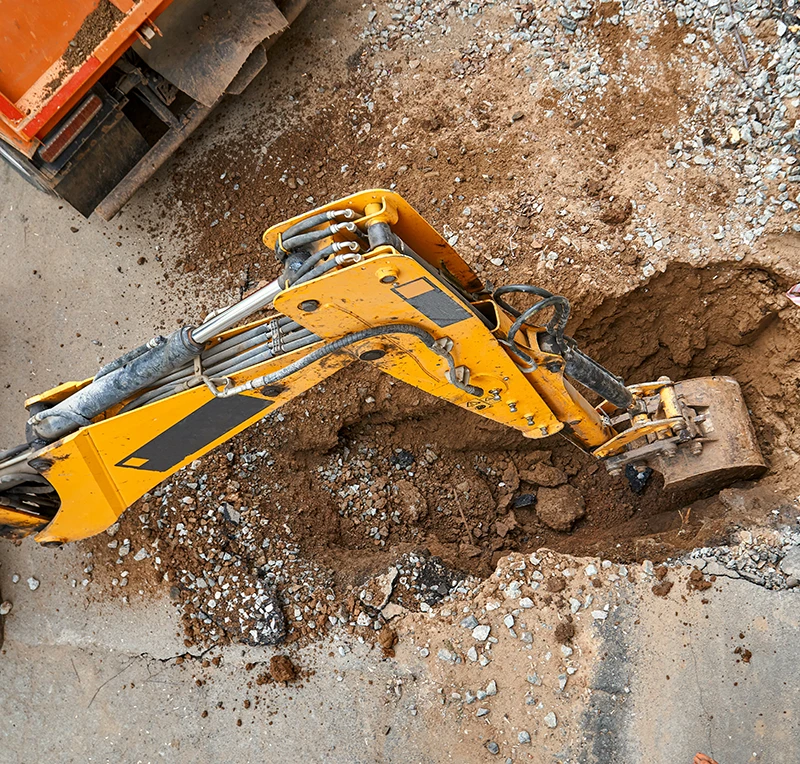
pixel 361 470
pixel 342 482
pixel 380 468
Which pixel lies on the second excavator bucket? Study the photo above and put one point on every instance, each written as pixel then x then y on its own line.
pixel 727 450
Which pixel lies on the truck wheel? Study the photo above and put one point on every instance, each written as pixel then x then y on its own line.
pixel 25 168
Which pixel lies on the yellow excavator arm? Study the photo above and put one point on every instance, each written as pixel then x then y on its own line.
pixel 365 278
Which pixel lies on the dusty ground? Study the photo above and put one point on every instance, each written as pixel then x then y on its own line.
pixel 600 164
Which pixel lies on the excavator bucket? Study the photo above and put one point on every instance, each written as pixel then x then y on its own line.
pixel 727 452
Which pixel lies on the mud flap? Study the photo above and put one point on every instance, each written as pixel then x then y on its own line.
pixel 729 448
pixel 205 43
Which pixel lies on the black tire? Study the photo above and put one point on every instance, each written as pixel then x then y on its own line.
pixel 25 168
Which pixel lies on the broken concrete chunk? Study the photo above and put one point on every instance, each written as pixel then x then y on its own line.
pixel 790 564
pixel 393 610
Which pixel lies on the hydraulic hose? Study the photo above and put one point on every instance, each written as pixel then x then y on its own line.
pixel 315 220
pixel 315 355
pixel 329 265
pixel 555 326
pixel 498 293
pixel 303 240
pixel 318 257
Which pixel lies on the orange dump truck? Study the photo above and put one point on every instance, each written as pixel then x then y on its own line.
pixel 95 95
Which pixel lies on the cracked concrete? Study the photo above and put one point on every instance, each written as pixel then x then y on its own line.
pixel 692 692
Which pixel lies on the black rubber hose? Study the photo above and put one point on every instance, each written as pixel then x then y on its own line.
pixel 512 288
pixel 555 326
pixel 310 262
pixel 303 240
pixel 591 374
pixel 306 225
pixel 12 452
pixel 350 339
pixel 316 272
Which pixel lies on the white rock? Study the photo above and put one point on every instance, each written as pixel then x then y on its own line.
pixel 393 610
pixel 472 654
pixel 363 619
pixel 526 602
pixel 5 608
pixel 591 570
pixel 481 632
pixel 550 720
pixel 33 584
pixel 599 615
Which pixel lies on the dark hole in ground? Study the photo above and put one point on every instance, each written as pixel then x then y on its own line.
pixel 380 467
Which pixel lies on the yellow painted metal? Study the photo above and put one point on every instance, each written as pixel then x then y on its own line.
pixel 16 523
pixel 583 425
pixel 639 430
pixel 406 222
pixel 355 298
pixel 57 394
pixel 669 401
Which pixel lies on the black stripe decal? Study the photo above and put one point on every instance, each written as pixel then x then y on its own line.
pixel 432 302
pixel 192 433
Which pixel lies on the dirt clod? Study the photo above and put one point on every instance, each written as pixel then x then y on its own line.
pixel 697 582
pixel 560 508
pixel 282 668
pixel 387 639
pixel 564 632
pixel 663 588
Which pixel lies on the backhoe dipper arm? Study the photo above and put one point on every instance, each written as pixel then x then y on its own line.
pixel 365 278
